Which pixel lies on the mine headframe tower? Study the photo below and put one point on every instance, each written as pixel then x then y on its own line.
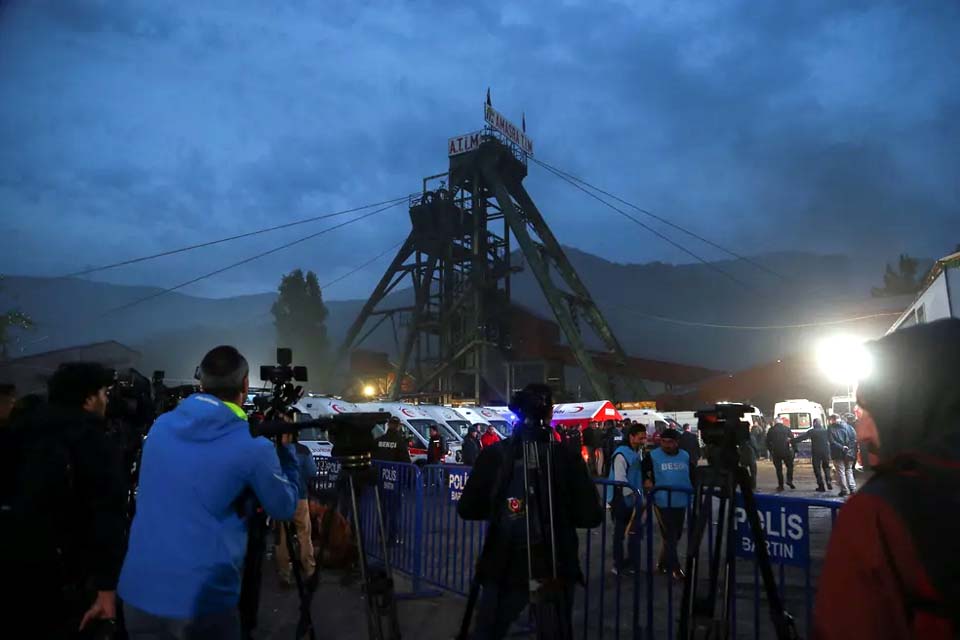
pixel 457 259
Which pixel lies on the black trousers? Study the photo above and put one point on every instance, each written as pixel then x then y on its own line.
pixel 671 521
pixel 778 463
pixel 821 469
pixel 500 605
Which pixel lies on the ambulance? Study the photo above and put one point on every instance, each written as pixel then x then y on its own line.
pixel 457 425
pixel 415 422
pixel 481 417
pixel 313 407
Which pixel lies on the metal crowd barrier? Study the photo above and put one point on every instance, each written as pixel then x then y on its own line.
pixel 431 544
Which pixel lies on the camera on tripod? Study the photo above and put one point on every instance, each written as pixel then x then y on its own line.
pixel 723 425
pixel 282 376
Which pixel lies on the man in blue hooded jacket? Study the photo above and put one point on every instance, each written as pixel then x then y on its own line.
pixel 181 577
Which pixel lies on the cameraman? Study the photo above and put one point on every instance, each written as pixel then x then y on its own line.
pixel 495 492
pixel 181 576
pixel 62 526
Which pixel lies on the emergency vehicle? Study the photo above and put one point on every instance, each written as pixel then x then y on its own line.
pixel 312 407
pixel 457 426
pixel 481 417
pixel 415 423
pixel 801 414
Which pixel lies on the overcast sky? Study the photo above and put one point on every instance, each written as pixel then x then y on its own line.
pixel 128 128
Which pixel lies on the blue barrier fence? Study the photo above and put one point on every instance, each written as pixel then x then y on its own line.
pixel 433 546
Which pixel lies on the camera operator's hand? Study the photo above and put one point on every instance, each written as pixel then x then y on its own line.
pixel 103 608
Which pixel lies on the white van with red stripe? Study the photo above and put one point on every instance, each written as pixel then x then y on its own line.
pixel 416 423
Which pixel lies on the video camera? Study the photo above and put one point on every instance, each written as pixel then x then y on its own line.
pixel 282 372
pixel 281 376
pixel 723 431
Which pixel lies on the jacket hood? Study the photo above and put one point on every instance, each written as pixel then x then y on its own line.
pixel 913 393
pixel 201 418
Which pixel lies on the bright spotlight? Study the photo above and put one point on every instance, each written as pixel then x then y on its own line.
pixel 844 359
pixel 369 391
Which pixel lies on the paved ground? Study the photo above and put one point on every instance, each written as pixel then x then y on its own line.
pixel 338 610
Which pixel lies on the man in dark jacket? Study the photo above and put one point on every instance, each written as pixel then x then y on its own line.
pixel 758 437
pixel 820 452
pixel 392 445
pixel 436 447
pixel 690 443
pixel 781 451
pixel 573 439
pixel 495 492
pixel 63 520
pixel 891 568
pixel 843 453
pixel 471 446
pixel 613 438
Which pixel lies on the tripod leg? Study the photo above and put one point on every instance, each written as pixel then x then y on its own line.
pixel 782 621
pixel 305 624
pixel 388 601
pixel 374 629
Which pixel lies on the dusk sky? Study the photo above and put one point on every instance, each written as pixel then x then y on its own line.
pixel 128 128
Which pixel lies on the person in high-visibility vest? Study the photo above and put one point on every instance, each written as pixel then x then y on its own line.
pixel 668 468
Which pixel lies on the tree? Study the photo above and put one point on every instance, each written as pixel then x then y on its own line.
pixel 903 281
pixel 300 316
pixel 13 319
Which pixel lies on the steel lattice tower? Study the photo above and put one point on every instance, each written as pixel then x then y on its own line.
pixel 457 259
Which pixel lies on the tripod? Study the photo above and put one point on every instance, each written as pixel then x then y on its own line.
pixel 382 620
pixel 706 616
pixel 253 572
pixel 550 597
pixel 549 601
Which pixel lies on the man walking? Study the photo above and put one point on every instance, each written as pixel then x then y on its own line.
pixel 199 474
pixel 625 467
pixel 781 451
pixel 843 452
pixel 471 446
pixel 820 452
pixel 668 468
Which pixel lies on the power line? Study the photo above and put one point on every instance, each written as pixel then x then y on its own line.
pixel 360 267
pixel 648 228
pixel 287 245
pixel 779 327
pixel 248 234
pixel 661 219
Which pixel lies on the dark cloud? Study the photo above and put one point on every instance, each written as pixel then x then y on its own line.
pixel 129 127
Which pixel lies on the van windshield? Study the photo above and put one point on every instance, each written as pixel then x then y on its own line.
pixel 502 427
pixel 422 427
pixel 842 407
pixel 450 432
pixel 460 426
pixel 798 421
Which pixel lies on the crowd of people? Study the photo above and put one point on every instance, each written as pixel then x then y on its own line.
pixel 79 562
